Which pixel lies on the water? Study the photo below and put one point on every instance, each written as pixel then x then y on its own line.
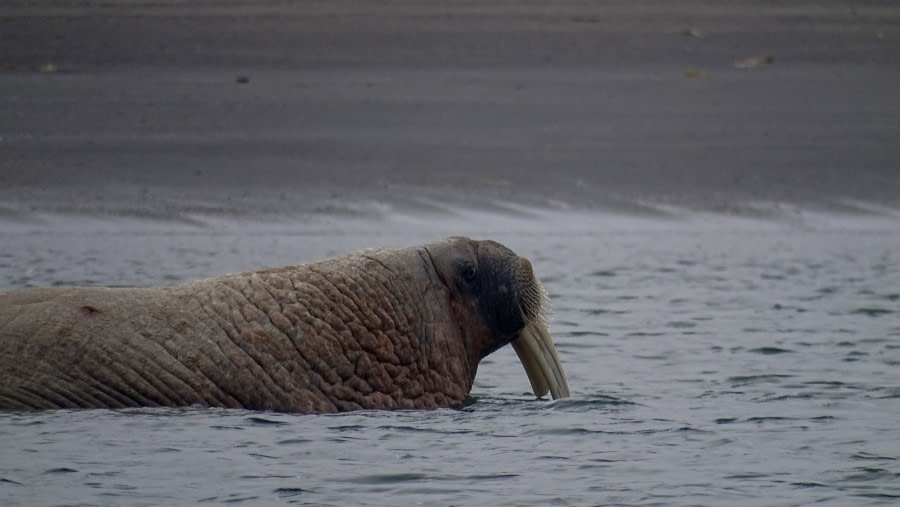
pixel 713 360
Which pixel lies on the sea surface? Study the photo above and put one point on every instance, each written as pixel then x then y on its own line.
pixel 713 360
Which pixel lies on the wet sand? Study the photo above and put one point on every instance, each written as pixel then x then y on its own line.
pixel 171 111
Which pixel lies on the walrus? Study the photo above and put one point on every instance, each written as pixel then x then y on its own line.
pixel 397 328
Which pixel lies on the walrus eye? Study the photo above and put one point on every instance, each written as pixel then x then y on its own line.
pixel 468 272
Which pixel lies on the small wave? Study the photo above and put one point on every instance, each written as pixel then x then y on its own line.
pixel 289 492
pixel 871 474
pixel 257 420
pixel 871 312
pixel 414 429
pixel 61 470
pixel 868 456
pixel 744 380
pixel 768 351
pixel 747 476
pixel 772 419
pixel 490 477
pixel 810 485
pixel 880 496
pixel 389 478
pixel 574 431
pixel 294 441
pixel 233 498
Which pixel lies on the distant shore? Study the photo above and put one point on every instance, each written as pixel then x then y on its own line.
pixel 162 110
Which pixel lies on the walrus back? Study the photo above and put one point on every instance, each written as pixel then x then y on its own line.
pixel 77 347
pixel 326 337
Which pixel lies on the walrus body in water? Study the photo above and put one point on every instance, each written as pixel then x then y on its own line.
pixel 386 328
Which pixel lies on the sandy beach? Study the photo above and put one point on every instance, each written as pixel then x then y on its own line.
pixel 166 110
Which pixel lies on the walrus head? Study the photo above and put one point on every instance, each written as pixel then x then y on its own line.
pixel 489 281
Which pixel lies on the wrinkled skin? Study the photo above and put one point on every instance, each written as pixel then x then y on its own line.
pixel 390 328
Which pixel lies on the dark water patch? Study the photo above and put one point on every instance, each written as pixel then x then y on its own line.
pixel 574 431
pixel 786 397
pixel 769 351
pixel 603 273
pixel 747 380
pixel 264 421
pixel 488 477
pixel 382 479
pixel 294 441
pixel 833 384
pixel 236 498
pixel 871 312
pixel 680 429
pixel 603 311
pixel 892 297
pixel 414 429
pixel 4 480
pixel 582 431
pixel 113 473
pixel 747 476
pixel 348 427
pixel 580 333
pixel 642 334
pixel 892 396
pixel 61 470
pixel 264 456
pixel 879 496
pixel 773 419
pixel 26 422
pixel 288 492
pixel 806 485
pixel 871 474
pixel 681 324
pixel 875 457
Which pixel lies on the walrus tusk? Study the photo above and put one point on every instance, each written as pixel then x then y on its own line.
pixel 535 349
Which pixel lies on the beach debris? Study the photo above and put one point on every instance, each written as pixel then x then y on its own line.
pixel 687 31
pixel 47 68
pixel 7 65
pixel 754 61
pixel 692 73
